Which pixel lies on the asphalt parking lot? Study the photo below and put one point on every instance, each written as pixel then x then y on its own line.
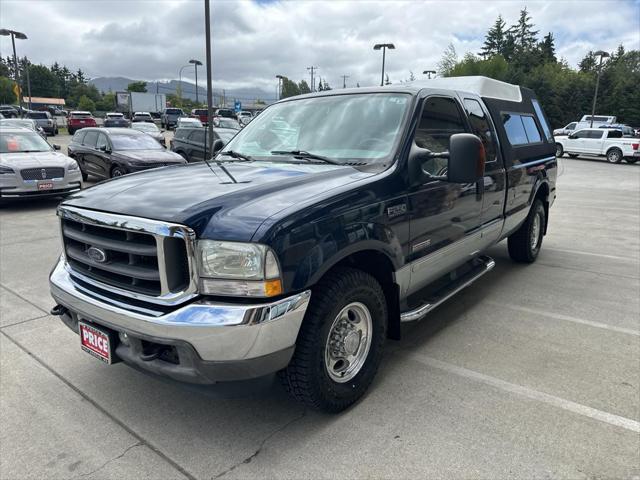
pixel 533 372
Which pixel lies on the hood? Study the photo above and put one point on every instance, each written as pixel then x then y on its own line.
pixel 208 200
pixel 150 156
pixel 35 159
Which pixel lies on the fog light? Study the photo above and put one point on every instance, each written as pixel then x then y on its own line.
pixel 124 338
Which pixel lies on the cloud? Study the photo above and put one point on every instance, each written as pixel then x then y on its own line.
pixel 255 40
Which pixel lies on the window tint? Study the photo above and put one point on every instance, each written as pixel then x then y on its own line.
pixel 533 134
pixel 614 134
pixel 102 141
pixel 90 139
pixel 481 126
pixel 39 115
pixel 542 120
pixel 197 136
pixel 181 133
pixel 571 126
pixel 514 128
pixel 78 137
pixel 581 134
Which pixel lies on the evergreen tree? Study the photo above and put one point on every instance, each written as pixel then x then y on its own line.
pixel 80 77
pixel 523 33
pixel 303 86
pixel 548 49
pixel 495 39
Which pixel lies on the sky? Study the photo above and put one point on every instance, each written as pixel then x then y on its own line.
pixel 254 40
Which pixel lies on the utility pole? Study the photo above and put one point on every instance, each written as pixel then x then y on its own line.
pixel 207 24
pixel 28 83
pixel 313 85
pixel 344 80
pixel 602 54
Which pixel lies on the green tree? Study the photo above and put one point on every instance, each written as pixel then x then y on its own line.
pixel 107 103
pixel 43 82
pixel 137 87
pixel 547 48
pixel 303 86
pixel 523 32
pixel 448 61
pixel 495 40
pixel 6 91
pixel 85 103
pixel 289 88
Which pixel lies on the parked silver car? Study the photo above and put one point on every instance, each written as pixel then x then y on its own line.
pixel 30 167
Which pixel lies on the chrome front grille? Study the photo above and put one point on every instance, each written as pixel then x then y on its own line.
pixel 143 259
pixel 45 173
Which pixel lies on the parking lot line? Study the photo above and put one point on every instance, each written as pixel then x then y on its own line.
pixel 559 316
pixel 558 402
pixel 601 255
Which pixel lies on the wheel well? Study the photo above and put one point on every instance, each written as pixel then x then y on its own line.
pixel 614 148
pixel 543 195
pixel 379 266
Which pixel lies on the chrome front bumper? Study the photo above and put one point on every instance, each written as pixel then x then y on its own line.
pixel 218 333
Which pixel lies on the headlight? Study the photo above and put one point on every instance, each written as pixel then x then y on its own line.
pixel 73 166
pixel 238 269
pixel 6 170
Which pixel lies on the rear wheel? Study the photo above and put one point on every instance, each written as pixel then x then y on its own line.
pixel 559 150
pixel 614 155
pixel 340 342
pixel 71 131
pixel 524 245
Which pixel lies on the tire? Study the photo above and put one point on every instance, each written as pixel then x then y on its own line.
pixel 71 131
pixel 183 155
pixel 117 171
pixel 573 155
pixel 312 377
pixel 559 150
pixel 525 243
pixel 614 155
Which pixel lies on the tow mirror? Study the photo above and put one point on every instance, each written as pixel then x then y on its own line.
pixel 466 158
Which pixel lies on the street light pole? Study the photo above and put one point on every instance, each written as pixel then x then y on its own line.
pixel 180 82
pixel 383 47
pixel 207 25
pixel 195 64
pixel 602 55
pixel 21 36
pixel 344 80
pixel 429 72
pixel 280 79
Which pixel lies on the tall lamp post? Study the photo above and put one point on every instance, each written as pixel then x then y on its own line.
pixel 280 79
pixel 429 72
pixel 21 36
pixel 195 64
pixel 383 47
pixel 602 55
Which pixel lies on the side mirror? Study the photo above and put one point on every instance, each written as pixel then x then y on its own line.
pixel 104 148
pixel 466 158
pixel 56 146
pixel 572 137
pixel 218 145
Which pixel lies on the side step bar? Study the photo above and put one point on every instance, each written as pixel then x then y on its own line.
pixel 486 264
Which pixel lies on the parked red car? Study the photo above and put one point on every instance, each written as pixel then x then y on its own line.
pixel 78 120
pixel 201 114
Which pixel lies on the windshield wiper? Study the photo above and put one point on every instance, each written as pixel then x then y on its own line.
pixel 303 154
pixel 237 155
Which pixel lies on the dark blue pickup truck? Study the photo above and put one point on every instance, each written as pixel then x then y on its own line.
pixel 311 236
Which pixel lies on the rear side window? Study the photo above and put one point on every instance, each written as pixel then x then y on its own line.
pixel 614 134
pixel 197 136
pixel 521 129
pixel 90 139
pixel 543 121
pixel 180 133
pixel 38 115
pixel 481 127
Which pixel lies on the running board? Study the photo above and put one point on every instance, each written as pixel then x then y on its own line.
pixel 487 264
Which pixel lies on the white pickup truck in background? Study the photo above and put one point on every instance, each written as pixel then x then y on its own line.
pixel 605 142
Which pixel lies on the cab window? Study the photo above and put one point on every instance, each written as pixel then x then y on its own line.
pixel 440 119
pixel 481 126
pixel 102 141
pixel 90 139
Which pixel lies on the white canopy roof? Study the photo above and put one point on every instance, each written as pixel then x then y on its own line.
pixel 482 86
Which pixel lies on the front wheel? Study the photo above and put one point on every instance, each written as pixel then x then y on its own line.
pixel 524 245
pixel 117 172
pixel 614 155
pixel 340 342
pixel 559 150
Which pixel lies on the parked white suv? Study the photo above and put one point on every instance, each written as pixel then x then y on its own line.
pixel 600 142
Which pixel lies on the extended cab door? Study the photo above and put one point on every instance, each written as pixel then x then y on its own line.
pixel 592 144
pixel 575 142
pixel 444 217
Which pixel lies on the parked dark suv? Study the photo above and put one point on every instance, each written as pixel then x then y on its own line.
pixel 113 152
pixel 321 227
pixel 190 142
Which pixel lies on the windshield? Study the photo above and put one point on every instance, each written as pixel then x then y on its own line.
pixel 228 123
pixel 17 122
pixel 361 127
pixel 173 111
pixel 192 122
pixel 134 142
pixel 15 142
pixel 145 127
pixel 225 135
pixel 115 115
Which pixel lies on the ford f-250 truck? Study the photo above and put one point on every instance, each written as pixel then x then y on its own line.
pixel 602 142
pixel 306 242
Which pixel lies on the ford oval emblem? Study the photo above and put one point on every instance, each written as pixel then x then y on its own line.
pixel 97 254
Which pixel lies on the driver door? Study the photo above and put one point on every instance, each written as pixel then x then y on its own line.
pixel 444 216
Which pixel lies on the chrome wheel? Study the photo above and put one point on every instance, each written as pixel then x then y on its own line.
pixel 348 342
pixel 535 231
pixel 614 156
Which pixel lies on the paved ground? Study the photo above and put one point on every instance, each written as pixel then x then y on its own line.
pixel 531 373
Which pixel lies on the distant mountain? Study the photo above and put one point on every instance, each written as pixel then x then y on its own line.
pixel 246 95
